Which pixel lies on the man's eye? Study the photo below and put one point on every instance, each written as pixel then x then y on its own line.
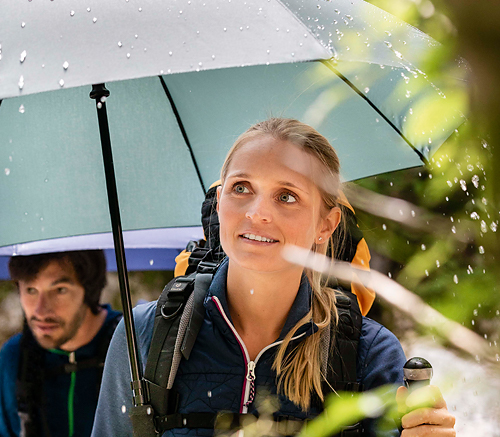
pixel 62 290
pixel 31 291
pixel 240 189
pixel 287 198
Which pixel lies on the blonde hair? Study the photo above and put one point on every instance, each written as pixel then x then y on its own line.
pixel 299 371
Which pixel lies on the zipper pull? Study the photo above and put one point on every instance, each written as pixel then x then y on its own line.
pixel 251 379
pixel 251 371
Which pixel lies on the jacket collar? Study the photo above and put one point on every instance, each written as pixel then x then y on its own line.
pixel 300 306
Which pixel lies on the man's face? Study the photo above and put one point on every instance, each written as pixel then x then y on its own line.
pixel 53 304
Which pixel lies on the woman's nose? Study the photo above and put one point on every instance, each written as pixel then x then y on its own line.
pixel 259 209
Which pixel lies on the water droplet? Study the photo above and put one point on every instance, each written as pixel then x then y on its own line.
pixel 388 44
pixel 7 171
pixel 463 184
pixel 398 54
pixel 438 263
pixel 170 53
pixel 151 262
pixel 103 99
pixel 21 82
pixel 481 250
pixel 384 227
pixel 128 55
pixel 120 44
pixel 72 13
pixel 475 181
pixel 88 9
pixel 423 247
pixel 140 9
pixel 213 56
pixel 455 279
pixel 136 36
pixel 367 90
pixel 61 83
pixel 99 105
pixel 388 33
pixel 474 216
pixel 493 226
pixel 124 409
pixel 484 227
pixel 209 394
pixel 66 65
pixel 23 24
pixel 22 58
pixel 94 19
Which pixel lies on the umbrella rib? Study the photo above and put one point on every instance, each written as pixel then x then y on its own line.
pixel 183 131
pixel 355 89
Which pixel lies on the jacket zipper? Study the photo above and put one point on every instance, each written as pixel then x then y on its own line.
pixel 248 392
pixel 71 392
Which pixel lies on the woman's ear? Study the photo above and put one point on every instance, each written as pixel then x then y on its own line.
pixel 329 224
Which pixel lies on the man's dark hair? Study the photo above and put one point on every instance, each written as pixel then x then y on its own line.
pixel 89 267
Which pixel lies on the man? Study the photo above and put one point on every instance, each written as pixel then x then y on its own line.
pixel 50 373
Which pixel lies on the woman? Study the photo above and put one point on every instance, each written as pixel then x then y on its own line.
pixel 264 316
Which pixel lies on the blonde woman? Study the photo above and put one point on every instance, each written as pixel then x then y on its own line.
pixel 264 317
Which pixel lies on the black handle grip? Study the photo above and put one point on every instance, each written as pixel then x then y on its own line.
pixel 417 372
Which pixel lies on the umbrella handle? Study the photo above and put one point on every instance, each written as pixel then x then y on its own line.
pixel 99 93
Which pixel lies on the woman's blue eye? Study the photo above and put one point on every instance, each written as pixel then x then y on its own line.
pixel 241 189
pixel 287 198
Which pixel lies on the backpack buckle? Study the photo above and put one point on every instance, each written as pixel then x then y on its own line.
pixel 176 297
pixel 207 267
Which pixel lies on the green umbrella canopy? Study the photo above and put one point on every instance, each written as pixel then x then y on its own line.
pixel 346 67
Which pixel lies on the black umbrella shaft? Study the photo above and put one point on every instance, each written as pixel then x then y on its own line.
pixel 100 93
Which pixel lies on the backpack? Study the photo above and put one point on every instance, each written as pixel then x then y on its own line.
pixel 179 316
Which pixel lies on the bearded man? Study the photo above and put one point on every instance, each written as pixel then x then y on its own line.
pixel 50 373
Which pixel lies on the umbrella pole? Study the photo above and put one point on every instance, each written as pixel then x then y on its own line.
pixel 99 93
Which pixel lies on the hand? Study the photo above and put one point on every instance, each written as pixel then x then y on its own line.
pixel 424 413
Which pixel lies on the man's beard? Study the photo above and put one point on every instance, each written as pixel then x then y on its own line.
pixel 69 329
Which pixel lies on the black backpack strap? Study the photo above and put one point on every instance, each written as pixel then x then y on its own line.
pixel 341 373
pixel 31 400
pixel 179 317
pixel 168 311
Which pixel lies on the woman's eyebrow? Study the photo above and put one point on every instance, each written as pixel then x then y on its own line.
pixel 238 175
pixel 291 185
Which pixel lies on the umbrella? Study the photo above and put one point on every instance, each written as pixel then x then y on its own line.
pixel 185 78
pixel 146 249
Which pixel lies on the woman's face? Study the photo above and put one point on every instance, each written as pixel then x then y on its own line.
pixel 268 199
